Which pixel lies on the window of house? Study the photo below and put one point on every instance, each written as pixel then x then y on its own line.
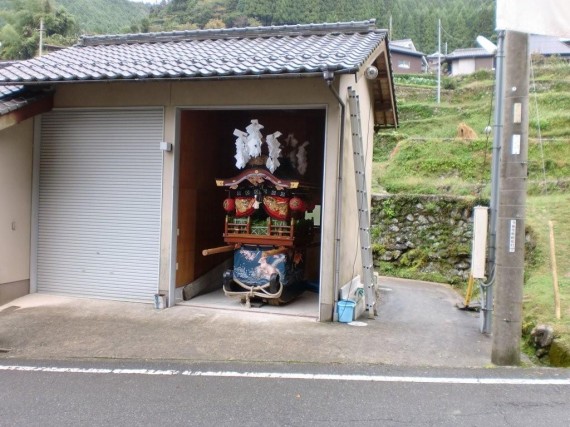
pixel 402 63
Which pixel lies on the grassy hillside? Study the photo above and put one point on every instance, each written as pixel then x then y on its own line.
pixel 427 145
pixel 425 156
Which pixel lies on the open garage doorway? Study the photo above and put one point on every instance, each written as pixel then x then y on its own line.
pixel 207 150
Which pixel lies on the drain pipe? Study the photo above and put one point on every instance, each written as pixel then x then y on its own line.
pixel 329 78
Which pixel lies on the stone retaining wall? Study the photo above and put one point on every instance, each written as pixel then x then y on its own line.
pixel 430 235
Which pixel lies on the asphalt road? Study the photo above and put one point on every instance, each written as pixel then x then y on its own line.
pixel 50 393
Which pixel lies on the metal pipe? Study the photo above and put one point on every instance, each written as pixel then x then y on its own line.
pixel 329 77
pixel 487 306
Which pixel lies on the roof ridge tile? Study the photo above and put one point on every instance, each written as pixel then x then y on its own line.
pixel 225 33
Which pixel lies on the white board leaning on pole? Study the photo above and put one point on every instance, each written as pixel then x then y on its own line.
pixel 479 244
pixel 546 17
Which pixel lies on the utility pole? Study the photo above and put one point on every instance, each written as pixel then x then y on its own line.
pixel 507 323
pixel 41 37
pixel 390 29
pixel 439 61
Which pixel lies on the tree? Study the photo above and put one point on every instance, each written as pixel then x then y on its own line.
pixel 20 36
pixel 263 10
pixel 214 24
pixel 295 11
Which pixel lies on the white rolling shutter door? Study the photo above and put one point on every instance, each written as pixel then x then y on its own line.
pixel 99 204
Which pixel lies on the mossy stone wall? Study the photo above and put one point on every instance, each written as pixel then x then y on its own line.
pixel 422 236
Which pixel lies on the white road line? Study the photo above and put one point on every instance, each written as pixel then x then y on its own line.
pixel 296 376
pixel 88 370
pixel 381 378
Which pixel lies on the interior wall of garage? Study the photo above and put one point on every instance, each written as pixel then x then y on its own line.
pixel 15 214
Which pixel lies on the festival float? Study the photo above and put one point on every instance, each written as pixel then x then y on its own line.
pixel 268 225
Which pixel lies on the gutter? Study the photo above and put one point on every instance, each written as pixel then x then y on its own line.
pixel 297 75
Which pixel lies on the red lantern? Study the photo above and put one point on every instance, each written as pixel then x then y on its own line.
pixel 229 205
pixel 297 205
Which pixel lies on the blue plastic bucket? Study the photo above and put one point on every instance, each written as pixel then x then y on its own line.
pixel 345 310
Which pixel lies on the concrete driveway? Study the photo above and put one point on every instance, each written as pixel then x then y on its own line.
pixel 418 325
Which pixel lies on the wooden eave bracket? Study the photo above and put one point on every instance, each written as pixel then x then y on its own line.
pixel 41 105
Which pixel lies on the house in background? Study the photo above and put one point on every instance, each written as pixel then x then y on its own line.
pixel 469 60
pixel 434 59
pixel 110 150
pixel 548 46
pixel 406 59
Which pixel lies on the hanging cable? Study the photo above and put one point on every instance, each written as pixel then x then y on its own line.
pixel 461 41
pixel 484 166
pixel 540 142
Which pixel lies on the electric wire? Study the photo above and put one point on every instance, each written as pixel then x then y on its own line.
pixel 484 166
pixel 460 41
pixel 449 35
pixel 540 142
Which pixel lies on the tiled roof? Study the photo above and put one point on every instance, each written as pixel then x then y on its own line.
pixel 5 91
pixel 13 98
pixel 404 50
pixel 405 43
pixel 235 52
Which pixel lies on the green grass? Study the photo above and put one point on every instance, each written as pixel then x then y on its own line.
pixel 539 293
pixel 425 156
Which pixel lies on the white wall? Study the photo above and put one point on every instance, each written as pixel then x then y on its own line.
pixel 15 204
pixel 350 256
pixel 463 66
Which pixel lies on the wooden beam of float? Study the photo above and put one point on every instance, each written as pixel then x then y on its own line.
pixel 220 249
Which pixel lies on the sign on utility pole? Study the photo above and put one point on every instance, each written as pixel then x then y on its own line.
pixel 507 323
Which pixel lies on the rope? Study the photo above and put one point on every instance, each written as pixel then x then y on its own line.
pixel 258 291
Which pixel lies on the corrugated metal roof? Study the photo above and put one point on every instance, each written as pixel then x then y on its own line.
pixel 235 52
